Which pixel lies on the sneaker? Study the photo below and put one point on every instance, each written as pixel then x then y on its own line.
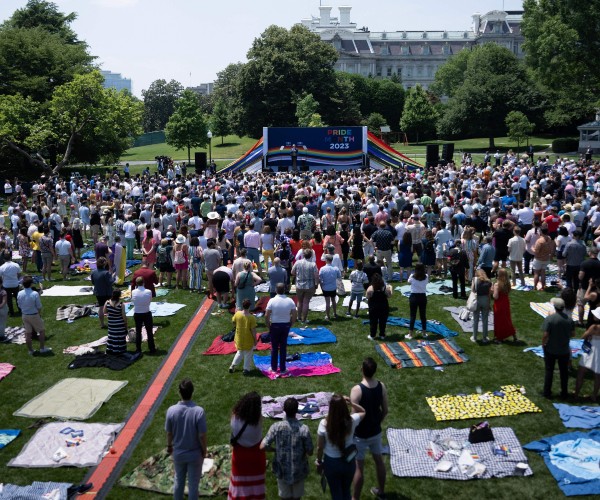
pixel 327 318
pixel 408 336
pixel 45 350
pixel 375 492
pixel 231 369
pixel 283 373
pixel 370 338
pixel 485 341
pixel 246 373
pixel 356 316
pixel 473 339
pixel 348 315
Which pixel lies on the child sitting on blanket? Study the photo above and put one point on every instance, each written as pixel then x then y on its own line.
pixel 359 281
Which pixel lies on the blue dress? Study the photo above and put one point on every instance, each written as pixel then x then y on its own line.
pixel 247 292
pixel 405 255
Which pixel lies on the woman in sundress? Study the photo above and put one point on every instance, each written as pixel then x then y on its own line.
pixel 114 310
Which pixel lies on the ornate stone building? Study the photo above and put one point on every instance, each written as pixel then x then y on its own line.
pixel 414 56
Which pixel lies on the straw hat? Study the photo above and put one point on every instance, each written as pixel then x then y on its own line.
pixel 180 239
pixel 213 215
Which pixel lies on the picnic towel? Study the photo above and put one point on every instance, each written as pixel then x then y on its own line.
pixel 156 308
pixel 346 303
pixel 545 309
pixel 262 288
pixel 310 364
pixel 572 458
pixel 5 369
pixel 81 450
pixel 467 326
pixel 579 417
pixel 36 490
pixel 576 346
pixel 508 401
pixel 409 455
pixel 84 266
pixel 433 288
pixel 14 335
pixel 347 288
pixel 313 405
pixel 71 398
pixel 157 473
pixel 417 353
pixel 317 304
pixel 103 360
pixel 220 347
pixel 432 326
pixel 90 254
pixel 8 436
pixel 68 291
pixel 71 312
pixel 90 347
pixel 161 292
pixel 132 263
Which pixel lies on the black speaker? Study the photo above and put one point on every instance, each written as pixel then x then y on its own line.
pixel 283 168
pixel 304 167
pixel 448 151
pixel 200 161
pixel 432 153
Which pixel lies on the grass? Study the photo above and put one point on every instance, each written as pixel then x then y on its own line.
pixel 489 367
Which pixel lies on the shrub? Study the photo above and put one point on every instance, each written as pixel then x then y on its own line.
pixel 565 145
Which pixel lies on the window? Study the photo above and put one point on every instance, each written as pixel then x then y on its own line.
pixel 389 71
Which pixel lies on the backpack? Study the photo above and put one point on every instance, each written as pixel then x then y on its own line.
pixel 162 256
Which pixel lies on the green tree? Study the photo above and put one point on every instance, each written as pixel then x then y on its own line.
pixel 187 127
pixel 82 120
pixel 561 47
pixel 159 103
pixel 419 115
pixel 316 121
pixel 388 100
pixel 450 75
pixel 282 66
pixel 519 127
pixel 305 109
pixel 343 106
pixel 39 13
pixel 494 83
pixel 375 121
pixel 219 120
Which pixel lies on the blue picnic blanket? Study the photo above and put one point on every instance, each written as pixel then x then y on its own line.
pixel 432 326
pixel 8 436
pixel 89 255
pixel 309 336
pixel 572 458
pixel 574 344
pixel 132 262
pixel 580 417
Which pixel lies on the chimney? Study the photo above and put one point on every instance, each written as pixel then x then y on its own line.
pixel 325 15
pixel 476 21
pixel 345 16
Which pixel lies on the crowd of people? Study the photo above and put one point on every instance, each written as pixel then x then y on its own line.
pixel 489 226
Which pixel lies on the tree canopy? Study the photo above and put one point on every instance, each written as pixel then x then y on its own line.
pixel 187 127
pixel 159 103
pixel 419 115
pixel 562 46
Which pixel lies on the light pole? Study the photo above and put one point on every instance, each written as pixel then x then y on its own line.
pixel 209 135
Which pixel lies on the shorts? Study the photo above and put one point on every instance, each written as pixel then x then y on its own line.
pixel 33 322
pixel 165 267
pixel 358 296
pixel 539 265
pixel 295 490
pixel 221 281
pixel 102 300
pixel 373 444
pixel 580 300
pixel 329 293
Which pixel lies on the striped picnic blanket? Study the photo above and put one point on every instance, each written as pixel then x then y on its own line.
pixel 545 309
pixel 416 353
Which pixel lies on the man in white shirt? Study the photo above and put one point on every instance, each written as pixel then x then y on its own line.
pixel 525 217
pixel 516 251
pixel 10 272
pixel 141 298
pixel 280 315
pixel 64 252
pixel 129 230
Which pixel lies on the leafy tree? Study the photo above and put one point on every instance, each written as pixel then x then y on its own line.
pixel 343 106
pixel 449 76
pixel 187 127
pixel 519 127
pixel 282 66
pixel 562 48
pixel 375 121
pixel 219 121
pixel 305 109
pixel 494 83
pixel 316 121
pixel 388 100
pixel 82 119
pixel 419 115
pixel 159 103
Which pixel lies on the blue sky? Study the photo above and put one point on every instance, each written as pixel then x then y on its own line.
pixel 191 40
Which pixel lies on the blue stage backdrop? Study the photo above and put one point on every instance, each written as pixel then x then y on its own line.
pixel 314 147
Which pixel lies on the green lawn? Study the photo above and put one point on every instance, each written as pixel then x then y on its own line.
pixel 490 367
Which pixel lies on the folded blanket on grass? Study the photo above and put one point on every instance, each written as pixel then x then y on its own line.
pixel 575 345
pixel 572 458
pixel 79 445
pixel 579 417
pixel 313 405
pixel 432 326
pixel 410 455
pixel 68 291
pixel 14 335
pixel 157 308
pixel 508 401
pixel 102 360
pixel 310 364
pixel 220 347
pixel 417 353
pixel 433 288
pixel 157 473
pixel 5 369
pixel 90 347
pixel 72 312
pixel 36 490
pixel 466 325
pixel 71 398
pixel 8 436
pixel 545 309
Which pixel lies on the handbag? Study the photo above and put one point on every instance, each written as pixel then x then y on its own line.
pixel 350 453
pixel 340 288
pixel 481 433
pixel 229 336
pixel 240 286
pixel 472 300
pixel 234 439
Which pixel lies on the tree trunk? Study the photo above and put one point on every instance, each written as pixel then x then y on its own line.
pixel 492 145
pixel 189 160
pixel 222 138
